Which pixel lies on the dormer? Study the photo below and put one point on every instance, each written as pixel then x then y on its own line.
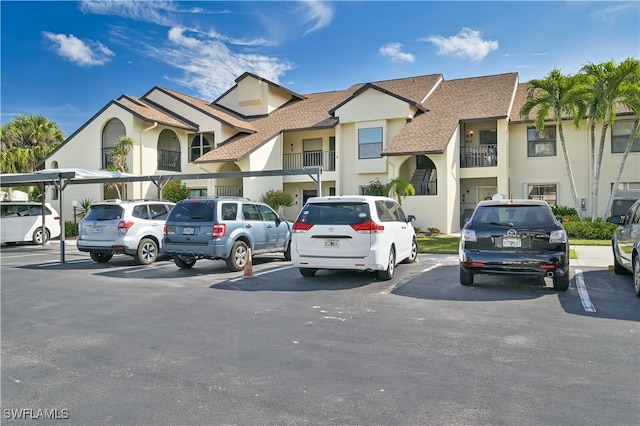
pixel 255 96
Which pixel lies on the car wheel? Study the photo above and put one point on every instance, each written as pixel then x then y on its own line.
pixel 287 252
pixel 147 251
pixel 238 257
pixel 387 274
pixel 101 257
pixel 414 252
pixel 466 277
pixel 307 272
pixel 617 267
pixel 636 274
pixel 40 237
pixel 184 262
pixel 561 282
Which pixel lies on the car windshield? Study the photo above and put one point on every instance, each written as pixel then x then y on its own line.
pixel 104 212
pixel 343 213
pixel 513 215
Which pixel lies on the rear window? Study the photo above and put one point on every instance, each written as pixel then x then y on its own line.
pixel 517 214
pixel 196 211
pixel 335 213
pixel 104 212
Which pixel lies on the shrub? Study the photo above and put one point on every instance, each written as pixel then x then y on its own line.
pixel 275 199
pixel 375 187
pixel 175 191
pixel 564 211
pixel 589 230
pixel 70 229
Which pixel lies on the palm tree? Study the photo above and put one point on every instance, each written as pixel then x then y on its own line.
pixel 605 86
pixel 31 138
pixel 552 96
pixel 118 158
pixel 400 188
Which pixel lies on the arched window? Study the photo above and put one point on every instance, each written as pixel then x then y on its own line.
pixel 168 151
pixel 111 132
pixel 200 145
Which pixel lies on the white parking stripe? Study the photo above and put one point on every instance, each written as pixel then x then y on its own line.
pixel 582 291
pixel 395 286
pixel 46 265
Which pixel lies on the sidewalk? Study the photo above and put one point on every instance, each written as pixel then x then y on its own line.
pixel 596 256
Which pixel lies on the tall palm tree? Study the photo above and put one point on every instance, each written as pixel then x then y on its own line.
pixel 552 96
pixel 605 86
pixel 31 138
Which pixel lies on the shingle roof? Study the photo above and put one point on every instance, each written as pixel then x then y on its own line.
pixel 454 101
pixel 149 112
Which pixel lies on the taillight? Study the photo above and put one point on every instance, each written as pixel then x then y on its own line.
pixel 369 227
pixel 219 230
pixel 301 226
pixel 124 225
pixel 164 230
pixel 558 236
pixel 56 218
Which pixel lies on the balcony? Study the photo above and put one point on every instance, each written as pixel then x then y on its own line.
pixel 324 159
pixel 228 190
pixel 479 156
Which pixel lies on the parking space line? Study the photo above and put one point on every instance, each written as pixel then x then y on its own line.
pixel 263 272
pixel 582 291
pixel 147 268
pixel 46 265
pixel 404 281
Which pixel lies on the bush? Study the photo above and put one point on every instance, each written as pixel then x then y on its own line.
pixel 275 199
pixel 175 191
pixel 589 230
pixel 69 229
pixel 564 211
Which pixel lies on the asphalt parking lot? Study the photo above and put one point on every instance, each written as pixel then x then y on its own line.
pixel 118 343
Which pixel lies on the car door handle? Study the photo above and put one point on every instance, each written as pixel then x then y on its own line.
pixel 248 225
pixel 269 226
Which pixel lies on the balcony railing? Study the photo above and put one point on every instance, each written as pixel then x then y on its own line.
pixel 324 159
pixel 168 160
pixel 426 187
pixel 479 156
pixel 228 190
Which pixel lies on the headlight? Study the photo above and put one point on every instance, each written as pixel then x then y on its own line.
pixel 558 236
pixel 468 235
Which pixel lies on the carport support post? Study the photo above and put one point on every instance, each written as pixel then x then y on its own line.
pixel 60 185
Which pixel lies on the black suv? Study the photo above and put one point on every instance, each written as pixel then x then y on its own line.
pixel 224 228
pixel 515 237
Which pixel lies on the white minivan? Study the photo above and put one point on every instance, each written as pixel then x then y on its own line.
pixel 22 221
pixel 355 232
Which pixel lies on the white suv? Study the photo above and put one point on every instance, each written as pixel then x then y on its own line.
pixel 130 227
pixel 358 232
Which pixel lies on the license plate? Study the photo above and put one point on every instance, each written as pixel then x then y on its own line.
pixel 96 230
pixel 188 230
pixel 332 243
pixel 511 242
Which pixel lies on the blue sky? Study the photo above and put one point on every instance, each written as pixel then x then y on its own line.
pixel 66 60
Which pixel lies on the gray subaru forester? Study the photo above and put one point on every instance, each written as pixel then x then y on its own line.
pixel 224 228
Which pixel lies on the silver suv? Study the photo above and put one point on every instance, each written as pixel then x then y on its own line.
pixel 224 228
pixel 126 227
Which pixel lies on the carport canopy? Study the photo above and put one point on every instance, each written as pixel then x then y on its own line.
pixel 60 178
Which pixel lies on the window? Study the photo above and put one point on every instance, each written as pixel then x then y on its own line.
pixel 541 143
pixel 268 214
pixel 369 142
pixel 488 137
pixel 110 134
pixel 200 145
pixel 168 151
pixel 250 212
pixel 229 211
pixel 198 192
pixel 620 133
pixel 547 192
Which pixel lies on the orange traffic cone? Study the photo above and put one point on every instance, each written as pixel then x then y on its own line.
pixel 248 266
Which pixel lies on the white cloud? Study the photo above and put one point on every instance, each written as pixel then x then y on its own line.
pixel 207 64
pixel 318 11
pixel 85 53
pixel 394 51
pixel 466 44
pixel 609 14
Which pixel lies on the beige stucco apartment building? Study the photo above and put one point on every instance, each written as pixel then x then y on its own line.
pixel 457 141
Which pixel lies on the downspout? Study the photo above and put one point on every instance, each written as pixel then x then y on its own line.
pixel 153 126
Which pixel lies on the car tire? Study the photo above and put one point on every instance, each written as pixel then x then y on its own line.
pixel 238 256
pixel 287 252
pixel 636 274
pixel 101 257
pixel 184 262
pixel 466 277
pixel 387 274
pixel 413 256
pixel 307 272
pixel 561 282
pixel 39 235
pixel 617 267
pixel 147 251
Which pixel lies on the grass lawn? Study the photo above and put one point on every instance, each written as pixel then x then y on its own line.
pixel 449 245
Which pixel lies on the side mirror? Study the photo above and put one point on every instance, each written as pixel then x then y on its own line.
pixel 411 218
pixel 280 218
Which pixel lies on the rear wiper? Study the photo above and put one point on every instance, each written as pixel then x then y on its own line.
pixel 502 223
